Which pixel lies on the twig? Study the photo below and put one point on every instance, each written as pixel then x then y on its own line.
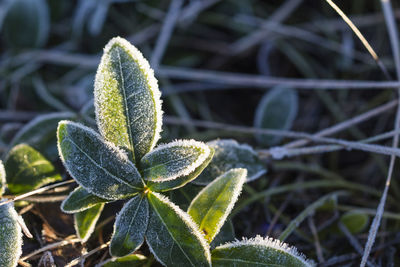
pixel 290 134
pixel 262 82
pixel 67 241
pixel 353 241
pixel 281 152
pixel 237 80
pixel 84 256
pixel 37 191
pixel 392 29
pixel 348 123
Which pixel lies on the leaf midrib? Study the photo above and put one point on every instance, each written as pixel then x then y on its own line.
pixel 126 107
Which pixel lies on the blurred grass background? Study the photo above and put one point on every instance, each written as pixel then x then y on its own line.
pixel 214 61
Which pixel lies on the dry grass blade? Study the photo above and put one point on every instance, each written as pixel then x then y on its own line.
pixel 360 36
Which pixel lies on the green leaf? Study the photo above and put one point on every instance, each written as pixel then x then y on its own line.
pixel 162 186
pixel 10 236
pixel 258 252
pixel 40 133
pixel 170 161
pixel 27 170
pixel 173 237
pixel 355 221
pixel 130 227
pixel 229 154
pixel 127 99
pixel 210 208
pixel 2 179
pixel 276 110
pixel 135 260
pixel 86 220
pixel 80 200
pixel 98 166
pixel 26 24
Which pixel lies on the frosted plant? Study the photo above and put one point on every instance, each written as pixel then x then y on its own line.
pixel 122 163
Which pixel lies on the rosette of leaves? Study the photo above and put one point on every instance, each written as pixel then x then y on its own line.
pixel 121 163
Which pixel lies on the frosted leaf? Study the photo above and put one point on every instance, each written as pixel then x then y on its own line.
pixel 173 237
pixel 127 99
pixel 210 208
pixel 40 133
pixel 130 227
pixel 170 161
pixel 10 236
pixel 258 252
pixel 162 186
pixel 80 200
pixel 86 220
pixel 98 166
pixel 27 170
pixel 2 179
pixel 134 260
pixel 276 110
pixel 229 154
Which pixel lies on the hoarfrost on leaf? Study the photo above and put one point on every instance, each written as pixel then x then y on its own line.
pixel 170 161
pixel 127 99
pixel 98 166
pixel 173 237
pixel 259 251
pixel 130 227
pixel 162 185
